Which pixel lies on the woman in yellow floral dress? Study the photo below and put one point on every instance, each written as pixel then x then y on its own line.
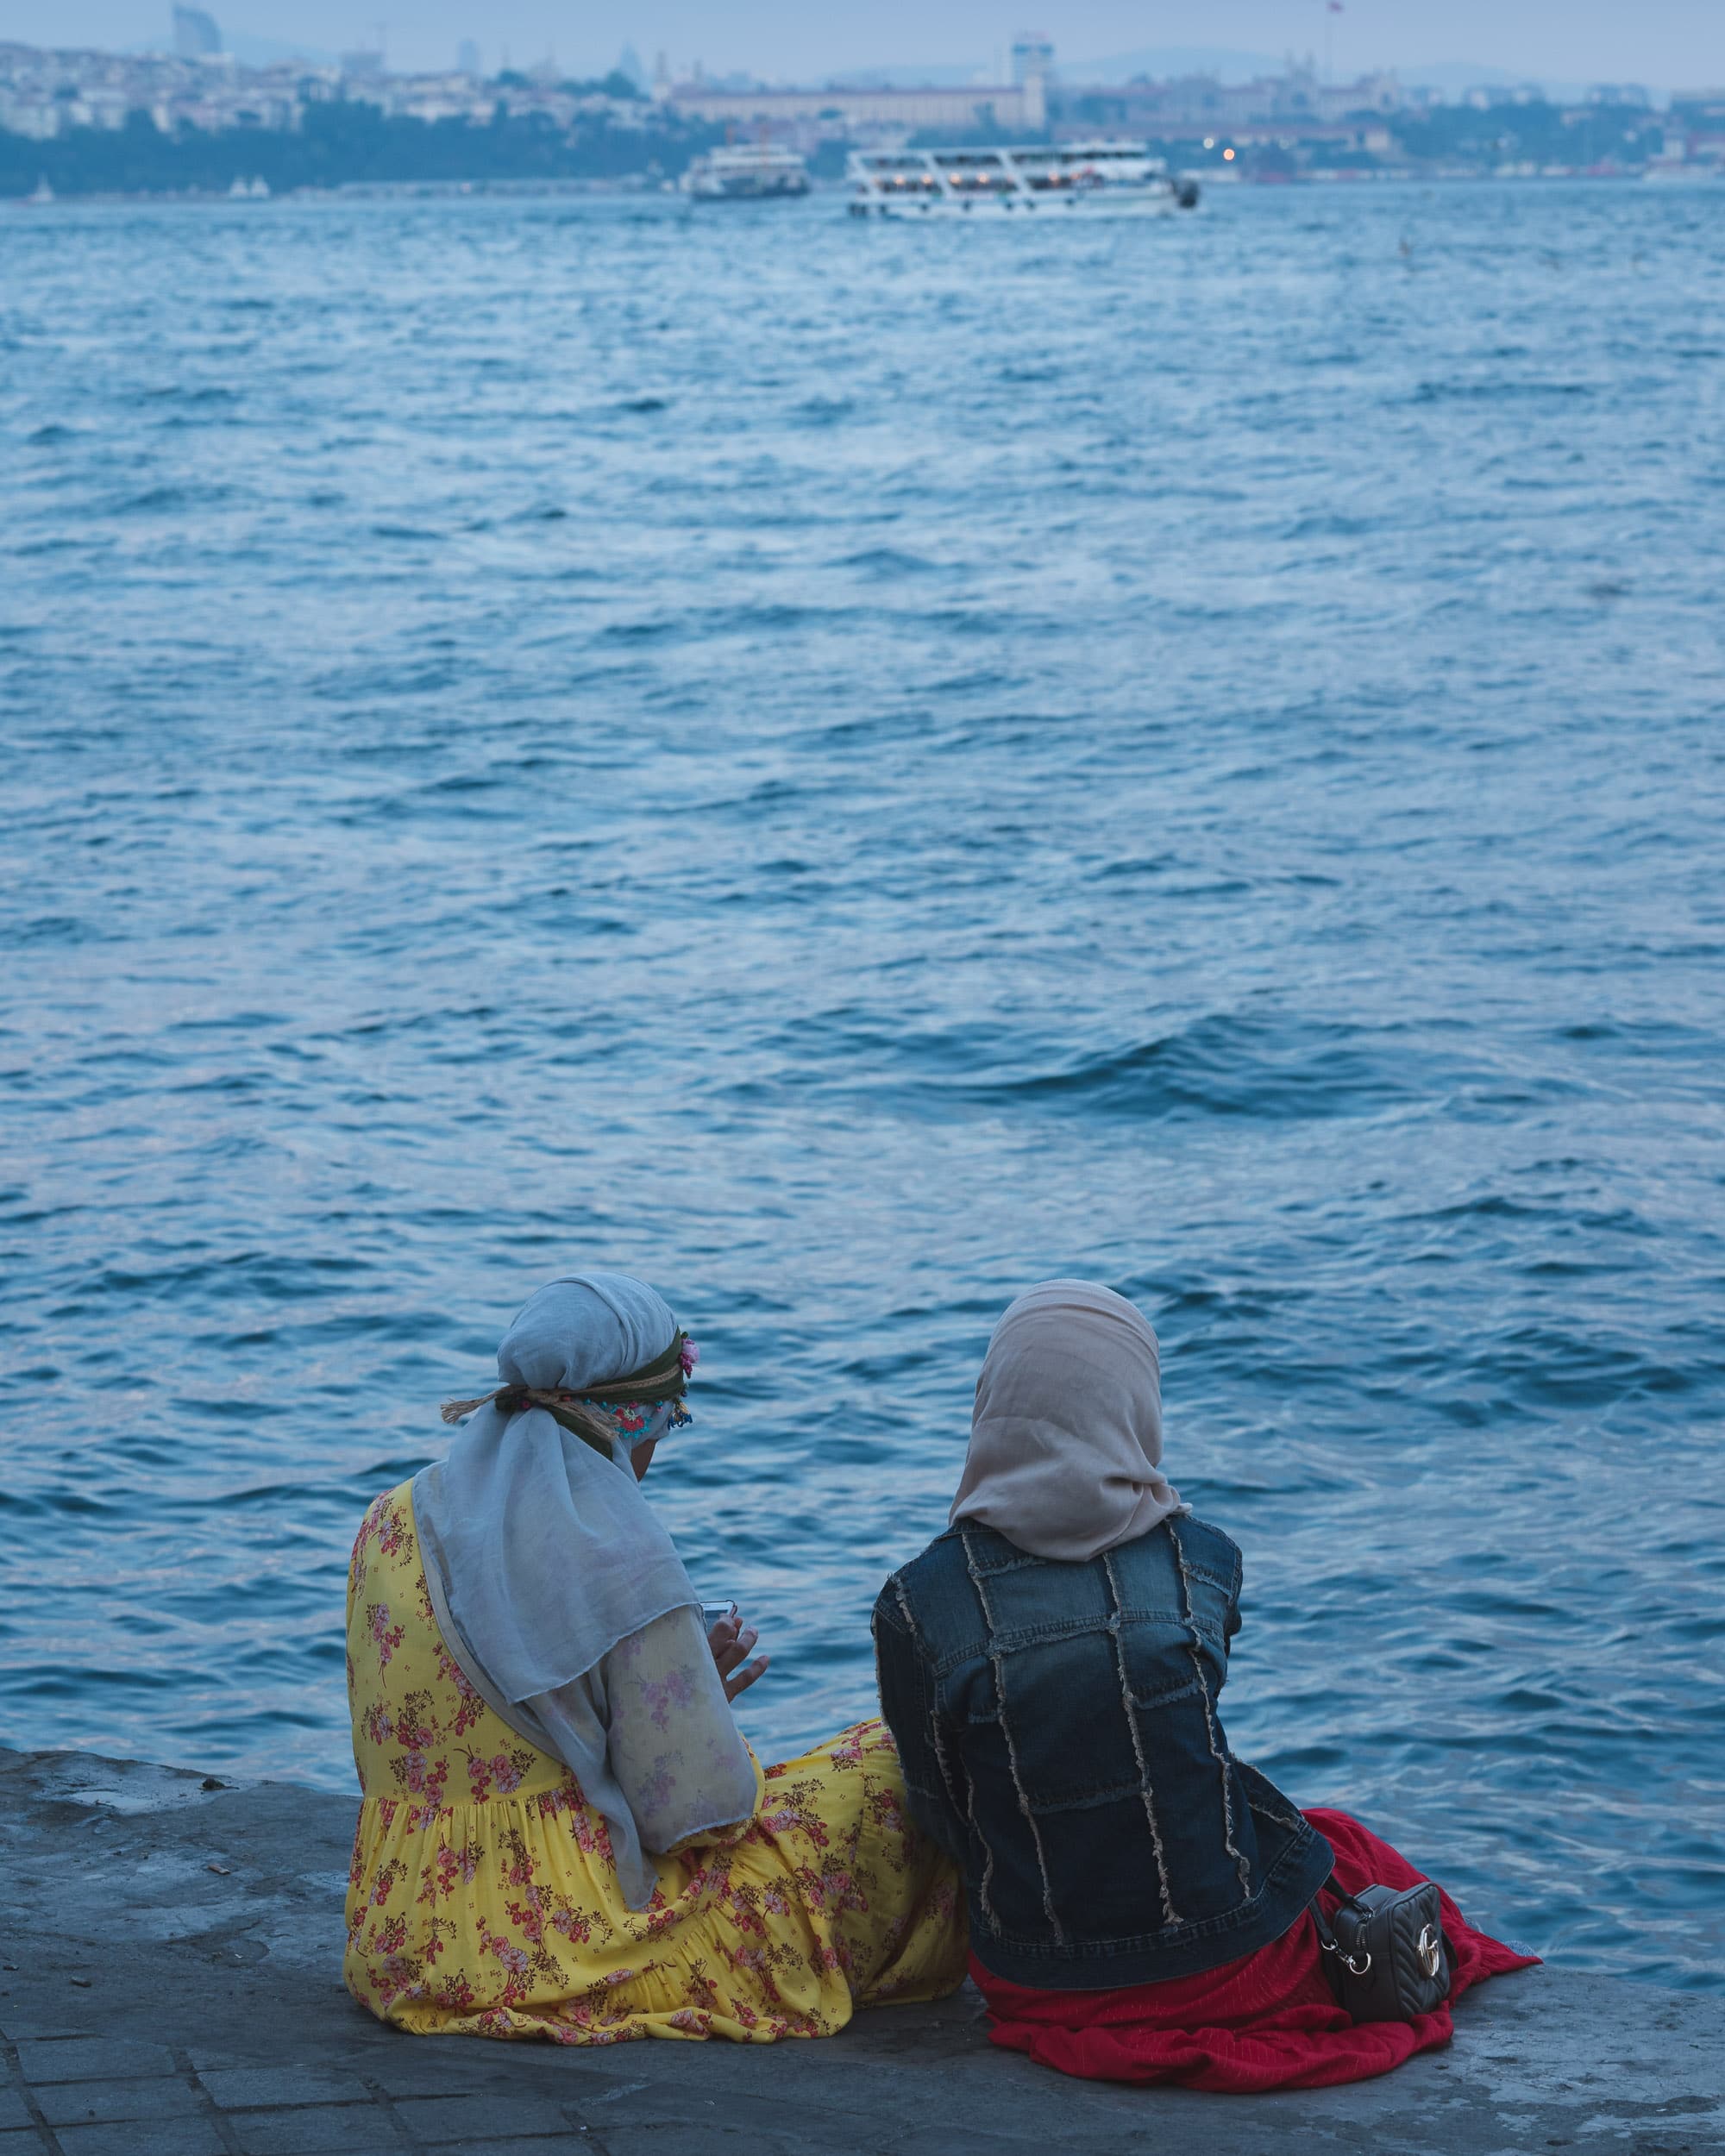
pixel 562 1832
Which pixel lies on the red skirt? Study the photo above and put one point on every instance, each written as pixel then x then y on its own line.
pixel 1269 2021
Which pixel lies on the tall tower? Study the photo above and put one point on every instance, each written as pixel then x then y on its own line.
pixel 195 34
pixel 1032 54
pixel 1032 64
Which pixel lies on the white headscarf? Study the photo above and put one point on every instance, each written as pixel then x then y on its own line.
pixel 1066 1436
pixel 542 1553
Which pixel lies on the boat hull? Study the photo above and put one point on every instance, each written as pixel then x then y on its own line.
pixel 1050 209
pixel 786 190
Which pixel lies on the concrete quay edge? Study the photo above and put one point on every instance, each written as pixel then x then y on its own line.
pixel 171 1988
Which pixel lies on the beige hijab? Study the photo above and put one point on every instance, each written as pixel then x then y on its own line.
pixel 1066 1436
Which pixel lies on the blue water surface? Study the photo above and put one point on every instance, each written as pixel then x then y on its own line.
pixel 848 769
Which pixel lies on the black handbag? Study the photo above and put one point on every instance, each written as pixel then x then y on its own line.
pixel 1384 1951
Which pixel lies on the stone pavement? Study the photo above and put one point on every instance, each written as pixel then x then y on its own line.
pixel 170 1948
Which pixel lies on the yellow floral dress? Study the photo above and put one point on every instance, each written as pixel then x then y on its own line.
pixel 483 1898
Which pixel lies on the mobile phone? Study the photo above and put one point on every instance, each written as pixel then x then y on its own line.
pixel 715 1612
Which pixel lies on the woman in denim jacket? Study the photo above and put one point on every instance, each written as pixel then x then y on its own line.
pixel 1050 1668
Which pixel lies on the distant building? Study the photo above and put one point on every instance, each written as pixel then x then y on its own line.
pixel 1032 54
pixel 468 60
pixel 1203 104
pixel 195 34
pixel 628 67
pixel 364 65
pixel 1032 70
pixel 1008 106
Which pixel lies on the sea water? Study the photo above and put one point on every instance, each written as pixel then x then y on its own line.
pixel 848 769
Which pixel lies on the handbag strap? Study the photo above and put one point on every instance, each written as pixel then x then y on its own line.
pixel 1326 1937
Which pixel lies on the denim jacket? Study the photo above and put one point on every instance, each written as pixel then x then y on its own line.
pixel 1059 1732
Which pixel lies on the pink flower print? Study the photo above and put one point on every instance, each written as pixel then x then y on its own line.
pixel 573 1925
pixel 452 1673
pixel 506 1774
pixel 631 1415
pixel 657 1787
pixel 388 1636
pixel 675 1690
pixel 411 1733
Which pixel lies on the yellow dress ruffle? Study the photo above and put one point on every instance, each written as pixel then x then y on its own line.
pixel 483 1899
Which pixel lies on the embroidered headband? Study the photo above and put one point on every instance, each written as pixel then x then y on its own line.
pixel 587 1412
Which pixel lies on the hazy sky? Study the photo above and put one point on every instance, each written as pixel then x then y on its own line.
pixel 1660 42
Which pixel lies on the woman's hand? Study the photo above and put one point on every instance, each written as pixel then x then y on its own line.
pixel 730 1640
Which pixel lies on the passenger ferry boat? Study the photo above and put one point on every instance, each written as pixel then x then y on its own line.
pixel 1094 178
pixel 746 171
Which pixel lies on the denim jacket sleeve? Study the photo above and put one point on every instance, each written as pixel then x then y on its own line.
pixel 907 1702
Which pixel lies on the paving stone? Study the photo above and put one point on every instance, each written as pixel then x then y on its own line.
pixel 81 2102
pixel 569 2142
pixel 463 2066
pixel 136 2137
pixel 721 2140
pixel 314 2129
pixel 1552 2061
pixel 90 2059
pixel 254 2088
pixel 433 2120
pixel 670 2102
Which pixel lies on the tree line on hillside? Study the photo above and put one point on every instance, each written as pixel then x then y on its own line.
pixel 341 143
pixel 1546 134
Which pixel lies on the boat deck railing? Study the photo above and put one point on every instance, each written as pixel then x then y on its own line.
pixel 1035 170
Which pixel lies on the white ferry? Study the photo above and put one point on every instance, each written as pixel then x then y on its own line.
pixel 1092 179
pixel 746 171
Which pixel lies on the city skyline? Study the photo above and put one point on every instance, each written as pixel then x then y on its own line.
pixel 1663 43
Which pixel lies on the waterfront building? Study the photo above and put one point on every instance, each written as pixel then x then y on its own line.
pixel 1012 108
pixel 1203 105
pixel 1032 54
